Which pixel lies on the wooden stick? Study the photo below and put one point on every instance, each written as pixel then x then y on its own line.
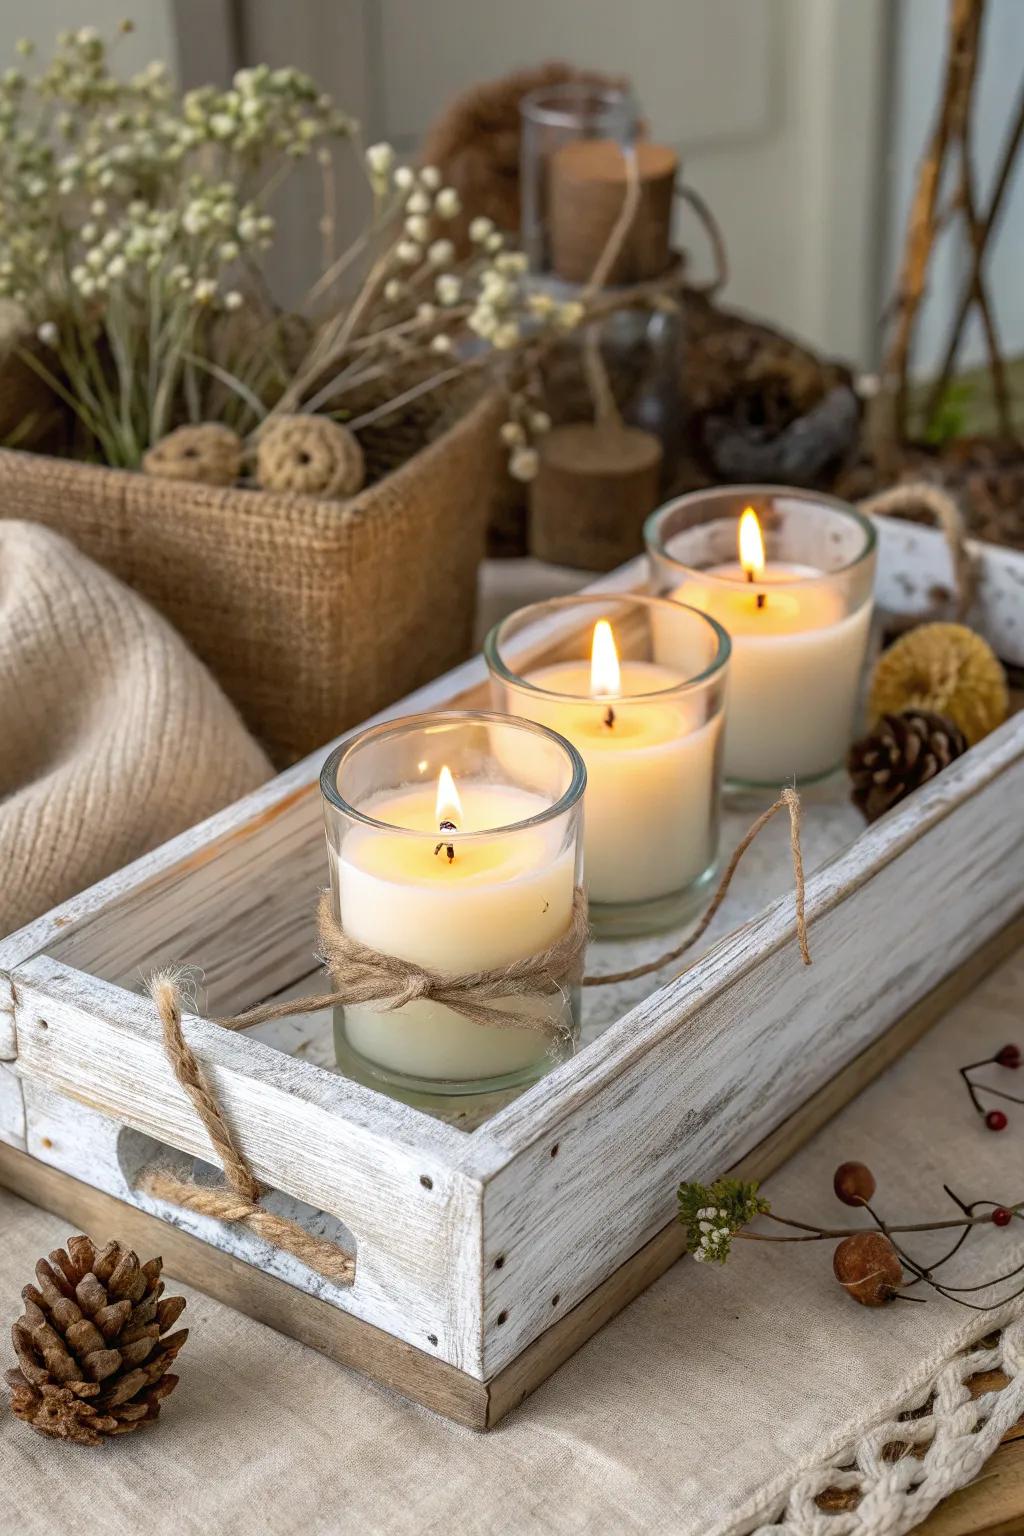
pixel 989 225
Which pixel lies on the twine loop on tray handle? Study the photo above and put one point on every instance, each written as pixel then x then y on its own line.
pixel 918 495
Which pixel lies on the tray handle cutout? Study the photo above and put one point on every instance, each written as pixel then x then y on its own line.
pixel 139 1157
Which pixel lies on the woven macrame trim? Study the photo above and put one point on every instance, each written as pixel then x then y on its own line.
pixel 886 1481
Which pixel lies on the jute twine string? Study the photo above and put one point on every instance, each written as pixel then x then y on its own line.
pixel 789 801
pixel 240 1202
pixel 918 494
pixel 363 975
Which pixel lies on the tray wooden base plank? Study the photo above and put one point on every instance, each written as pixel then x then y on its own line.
pixel 342 1337
pixel 410 1371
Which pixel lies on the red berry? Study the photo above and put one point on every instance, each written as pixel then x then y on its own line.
pixel 1001 1216
pixel 1009 1056
pixel 996 1120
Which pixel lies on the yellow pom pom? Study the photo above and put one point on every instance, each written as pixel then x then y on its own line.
pixel 209 453
pixel 946 668
pixel 311 455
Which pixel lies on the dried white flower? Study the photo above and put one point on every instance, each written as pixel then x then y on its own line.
pixel 569 315
pixel 524 464
pixel 483 321
pixel 404 178
pixel 419 202
pixel 431 177
pixel 441 253
pixel 512 434
pixel 448 288
pixel 540 422
pixel 379 160
pixel 426 313
pixel 511 261
pixel 480 228
pixel 494 242
pixel 48 334
pixel 117 267
pixel 448 204
pixel 393 290
pixel 417 228
pixel 233 299
pixel 229 250
pixel 408 253
pixel 540 303
pixel 505 336
pixel 204 291
pixel 441 343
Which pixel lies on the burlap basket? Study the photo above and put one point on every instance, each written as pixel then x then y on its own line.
pixel 311 614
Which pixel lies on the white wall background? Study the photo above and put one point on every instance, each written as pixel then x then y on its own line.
pixel 41 20
pixel 800 120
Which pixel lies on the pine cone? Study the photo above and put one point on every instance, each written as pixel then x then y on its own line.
pixel 902 752
pixel 93 1362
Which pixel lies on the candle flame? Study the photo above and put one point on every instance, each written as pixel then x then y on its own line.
pixel 448 806
pixel 751 545
pixel 605 677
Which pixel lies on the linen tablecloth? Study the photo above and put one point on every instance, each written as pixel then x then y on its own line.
pixel 694 1412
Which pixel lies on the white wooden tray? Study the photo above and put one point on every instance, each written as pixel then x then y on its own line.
pixel 488 1247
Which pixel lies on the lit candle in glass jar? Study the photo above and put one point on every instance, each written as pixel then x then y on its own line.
pixel 798 616
pixel 456 872
pixel 647 725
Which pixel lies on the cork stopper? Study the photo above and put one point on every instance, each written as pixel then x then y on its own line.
pixel 587 181
pixel 595 486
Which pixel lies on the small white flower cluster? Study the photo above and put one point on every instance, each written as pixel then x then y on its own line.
pixel 714 1236
pixel 122 226
pixel 525 423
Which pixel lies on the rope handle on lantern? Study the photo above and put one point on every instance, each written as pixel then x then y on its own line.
pixel 365 975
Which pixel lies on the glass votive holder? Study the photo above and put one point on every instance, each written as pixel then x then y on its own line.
pixel 553 117
pixel 796 599
pixel 454 843
pixel 637 685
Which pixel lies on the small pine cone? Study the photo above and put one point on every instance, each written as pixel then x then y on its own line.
pixel 208 453
pixel 902 752
pixel 311 455
pixel 947 668
pixel 92 1345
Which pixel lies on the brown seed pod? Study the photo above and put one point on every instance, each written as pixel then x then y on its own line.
pixel 309 455
pixel 854 1183
pixel 208 453
pixel 868 1267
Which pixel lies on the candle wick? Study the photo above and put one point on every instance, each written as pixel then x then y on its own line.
pixel 760 599
pixel 446 826
pixel 609 717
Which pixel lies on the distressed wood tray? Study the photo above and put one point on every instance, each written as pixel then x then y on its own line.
pixel 489 1246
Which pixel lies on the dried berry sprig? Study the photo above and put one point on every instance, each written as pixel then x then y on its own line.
pixel 868 1262
pixel 1008 1056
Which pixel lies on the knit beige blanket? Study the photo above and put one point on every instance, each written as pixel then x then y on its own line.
pixel 113 737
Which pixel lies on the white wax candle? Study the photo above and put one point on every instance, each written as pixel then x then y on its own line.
pixel 794 672
pixel 649 824
pixel 500 899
